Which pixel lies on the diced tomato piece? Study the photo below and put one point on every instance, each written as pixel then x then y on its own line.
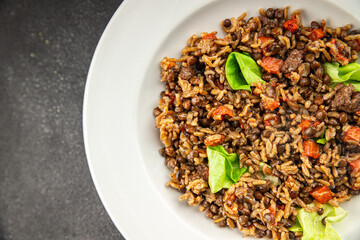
pixel 264 39
pixel 353 134
pixel 271 64
pixel 355 166
pixel 336 47
pixel 342 58
pixel 210 36
pixel 220 112
pixel 273 121
pixel 358 112
pixel 305 124
pixel 311 149
pixel 316 34
pixel 270 104
pixel 214 140
pixel 267 122
pixel 272 211
pixel 291 25
pixel 322 194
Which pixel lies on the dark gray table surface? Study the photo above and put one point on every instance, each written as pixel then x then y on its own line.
pixel 46 191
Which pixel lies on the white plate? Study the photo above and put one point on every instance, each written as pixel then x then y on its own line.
pixel 122 89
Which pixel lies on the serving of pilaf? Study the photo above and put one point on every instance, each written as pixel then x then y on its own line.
pixel 261 129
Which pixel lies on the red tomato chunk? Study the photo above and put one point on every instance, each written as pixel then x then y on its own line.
pixel 271 64
pixel 311 149
pixel 220 112
pixel 322 194
pixel 305 124
pixel 271 104
pixel 353 134
pixel 316 34
pixel 291 25
pixel 210 36
pixel 355 166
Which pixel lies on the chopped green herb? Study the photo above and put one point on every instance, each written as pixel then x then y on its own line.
pixel 310 224
pixel 224 168
pixel 241 71
pixel 345 74
pixel 322 139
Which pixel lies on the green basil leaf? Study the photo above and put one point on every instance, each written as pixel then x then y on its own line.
pixel 224 168
pixel 332 69
pixel 321 141
pixel 310 224
pixel 323 134
pixel 241 71
pixel 344 73
pixel 350 71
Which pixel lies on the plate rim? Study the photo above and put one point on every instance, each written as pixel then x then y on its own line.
pixel 117 14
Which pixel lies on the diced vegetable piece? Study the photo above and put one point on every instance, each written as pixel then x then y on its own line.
pixel 220 112
pixel 336 47
pixel 355 166
pixel 210 36
pixel 305 124
pixel 321 141
pixel 316 34
pixel 322 194
pixel 272 211
pixel 241 71
pixel 271 64
pixel 270 104
pixel 263 39
pixel 224 168
pixel 311 223
pixel 353 134
pixel 214 140
pixel 347 74
pixel 291 25
pixel 311 149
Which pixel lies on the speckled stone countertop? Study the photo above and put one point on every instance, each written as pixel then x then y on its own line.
pixel 46 191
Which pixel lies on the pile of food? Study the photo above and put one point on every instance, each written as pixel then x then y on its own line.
pixel 261 128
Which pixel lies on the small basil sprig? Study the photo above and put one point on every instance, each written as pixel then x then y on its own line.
pixel 311 223
pixel 241 71
pixel 224 168
pixel 322 139
pixel 346 74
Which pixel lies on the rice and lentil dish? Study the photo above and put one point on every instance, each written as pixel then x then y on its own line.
pixel 274 128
